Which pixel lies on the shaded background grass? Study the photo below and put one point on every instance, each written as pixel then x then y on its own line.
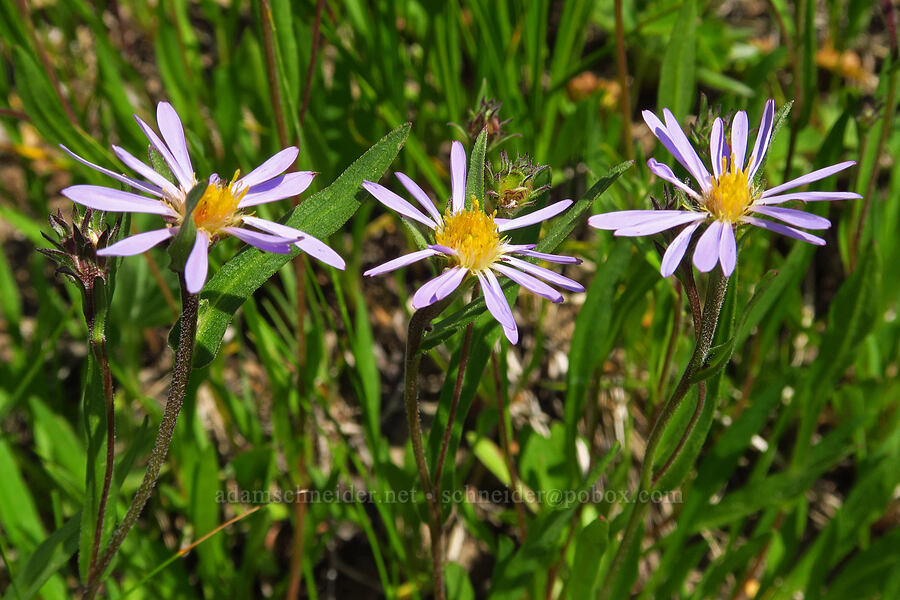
pixel 794 488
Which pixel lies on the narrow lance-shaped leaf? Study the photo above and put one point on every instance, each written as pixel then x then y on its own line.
pixel 475 181
pixel 565 223
pixel 319 216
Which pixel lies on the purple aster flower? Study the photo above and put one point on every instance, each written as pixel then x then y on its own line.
pixel 472 240
pixel 728 197
pixel 221 211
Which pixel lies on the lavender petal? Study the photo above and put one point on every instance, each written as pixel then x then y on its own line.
pixel 279 188
pixel 808 178
pixel 675 252
pixel 263 241
pixel 173 133
pixel 706 253
pixel 717 146
pixel 274 166
pixel 545 274
pixel 446 250
pixel 458 176
pixel 784 230
pixel 308 243
pixel 809 197
pixel 797 218
pixel 111 200
pixel 694 164
pixel 142 186
pixel 658 129
pixel 658 225
pixel 185 180
pixel 537 216
pixel 450 284
pixel 138 243
pixel 148 173
pixel 762 138
pixel 739 131
pixel 419 194
pixel 532 284
pixel 621 219
pixel 727 250
pixel 497 305
pixel 197 263
pixel 554 258
pixel 424 296
pixel 398 204
pixel 664 172
pixel 402 261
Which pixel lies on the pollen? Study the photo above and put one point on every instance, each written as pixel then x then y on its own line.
pixel 730 195
pixel 473 235
pixel 218 205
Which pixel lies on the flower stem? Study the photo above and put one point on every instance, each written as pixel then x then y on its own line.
pixel 419 321
pixel 715 295
pixel 98 345
pixel 180 374
pixel 504 445
pixel 95 317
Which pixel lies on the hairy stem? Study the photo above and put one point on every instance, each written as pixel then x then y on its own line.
pixel 418 323
pixel 180 374
pixel 714 297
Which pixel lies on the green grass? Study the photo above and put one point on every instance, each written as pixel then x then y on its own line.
pixel 787 484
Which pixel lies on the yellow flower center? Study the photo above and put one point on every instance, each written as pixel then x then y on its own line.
pixel 217 206
pixel 730 195
pixel 473 235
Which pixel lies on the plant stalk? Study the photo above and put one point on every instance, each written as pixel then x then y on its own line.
pixel 714 298
pixel 180 374
pixel 98 346
pixel 418 323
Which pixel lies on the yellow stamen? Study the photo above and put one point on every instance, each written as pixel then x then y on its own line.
pixel 473 235
pixel 218 205
pixel 730 195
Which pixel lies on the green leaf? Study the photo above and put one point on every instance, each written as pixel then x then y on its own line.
pixel 458 585
pixel 49 557
pixel 320 216
pixel 677 86
pixel 475 180
pixel 563 227
pixel 590 546
pixel 718 357
pixel 544 538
